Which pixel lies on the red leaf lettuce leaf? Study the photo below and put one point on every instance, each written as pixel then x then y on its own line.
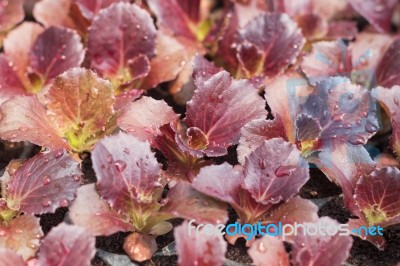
pixel 44 183
pixel 386 74
pixel 199 248
pixel 67 245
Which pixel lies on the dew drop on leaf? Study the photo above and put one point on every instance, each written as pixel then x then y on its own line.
pixel 356 140
pixel 283 171
pixel 120 165
pixel 76 178
pixel 46 180
pixel 261 247
pixel 46 202
pixel 64 203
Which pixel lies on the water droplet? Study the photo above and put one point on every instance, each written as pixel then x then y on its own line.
pixel 58 154
pixel 94 92
pixel 261 164
pixel 371 128
pixel 76 178
pixel 126 150
pixel 64 203
pixel 46 180
pixel 2 232
pixel 286 170
pixel 46 202
pixel 356 140
pixel 396 100
pixel 120 165
pixel 261 247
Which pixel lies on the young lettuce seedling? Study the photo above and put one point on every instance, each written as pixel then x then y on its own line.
pixel 128 196
pixel 40 185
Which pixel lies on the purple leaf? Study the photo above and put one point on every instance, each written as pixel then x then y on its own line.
pixel 377 12
pixel 25 119
pixel 253 134
pixel 222 182
pixel 67 245
pixel 171 18
pixel 144 117
pixel 321 249
pixel 93 213
pixel 344 165
pixel 275 172
pixel 268 251
pixel 198 206
pixel 112 45
pixel 44 183
pixel 208 113
pixel 199 248
pixel 55 51
pixel 377 196
pixel 264 37
pixel 22 235
pixel 386 75
pixel 90 8
pixel 389 100
pixel 345 112
pixel 127 171
pixel 10 83
pixel 327 59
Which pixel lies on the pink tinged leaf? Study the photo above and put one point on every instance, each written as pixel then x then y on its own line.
pixel 25 119
pixel 169 51
pixel 198 206
pixel 262 32
pixel 139 67
pixel 389 100
pixel 126 171
pixel 171 18
pixel 296 210
pixel 53 13
pixel 327 59
pixel 18 45
pixel 351 113
pixel 377 12
pixel 81 103
pixel 344 164
pixel 93 213
pixel 284 95
pixel 67 245
pixel 44 183
pixel 378 197
pixel 275 172
pixel 222 182
pixel 90 8
pixel 208 112
pixel 198 247
pixel 11 13
pixel 11 258
pixel 112 45
pixel 386 75
pixel 144 117
pixel 181 165
pixel 268 251
pixel 377 240
pixel 140 247
pixel 10 83
pixel 321 249
pixel 126 97
pixel 253 134
pixel 342 29
pixel 22 235
pixel 55 51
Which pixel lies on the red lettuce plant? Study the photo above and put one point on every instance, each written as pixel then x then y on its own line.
pixel 264 189
pixel 26 67
pixel 40 185
pixel 211 124
pixel 64 245
pixel 306 250
pixel 78 111
pixel 130 183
